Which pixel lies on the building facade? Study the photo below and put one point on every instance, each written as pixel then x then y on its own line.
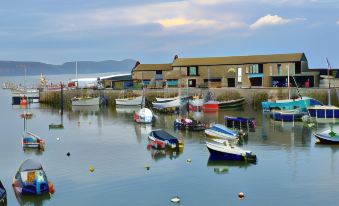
pixel 238 71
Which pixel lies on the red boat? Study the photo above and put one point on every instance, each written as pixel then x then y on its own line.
pixel 211 106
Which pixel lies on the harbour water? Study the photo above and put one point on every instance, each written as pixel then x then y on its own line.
pixel 291 168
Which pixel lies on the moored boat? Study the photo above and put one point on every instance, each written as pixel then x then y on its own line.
pixel 195 104
pixel 31 179
pixel 226 150
pixel 144 115
pixel 240 123
pixel 167 104
pixel 220 131
pixel 85 101
pixel 3 195
pixel 327 137
pixel 289 104
pixel 189 124
pixel 323 112
pixel 30 140
pixel 133 101
pixel 287 115
pixel 160 139
pixel 230 104
pixel 210 106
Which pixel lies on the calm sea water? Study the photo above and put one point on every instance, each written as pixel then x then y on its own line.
pixel 291 169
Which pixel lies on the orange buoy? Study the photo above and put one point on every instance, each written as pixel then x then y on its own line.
pixel 51 187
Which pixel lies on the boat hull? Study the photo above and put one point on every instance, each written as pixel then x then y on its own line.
pixel 210 107
pixel 280 116
pixel 322 139
pixel 232 104
pixel 86 102
pixel 324 112
pixel 189 127
pixel 290 104
pixel 240 123
pixel 129 102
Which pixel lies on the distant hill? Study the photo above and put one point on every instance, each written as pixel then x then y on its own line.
pixel 16 68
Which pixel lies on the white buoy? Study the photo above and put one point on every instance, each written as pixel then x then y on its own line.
pixel 188 160
pixel 175 199
pixel 58 138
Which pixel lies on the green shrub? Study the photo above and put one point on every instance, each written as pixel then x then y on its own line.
pixel 229 95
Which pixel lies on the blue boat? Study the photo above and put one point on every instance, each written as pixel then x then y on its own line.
pixel 225 150
pixel 31 180
pixel 287 115
pixel 240 123
pixel 3 195
pixel 324 112
pixel 290 104
pixel 220 131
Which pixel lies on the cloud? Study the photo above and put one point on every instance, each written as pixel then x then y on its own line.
pixel 184 16
pixel 272 20
pixel 338 22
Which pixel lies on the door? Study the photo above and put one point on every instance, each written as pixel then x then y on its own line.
pixel 230 82
pixel 192 83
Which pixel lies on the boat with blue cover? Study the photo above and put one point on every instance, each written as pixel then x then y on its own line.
pixel 220 131
pixel 287 115
pixel 240 123
pixel 327 137
pixel 324 112
pixel 31 179
pixel 226 150
pixel 160 139
pixel 290 104
pixel 3 195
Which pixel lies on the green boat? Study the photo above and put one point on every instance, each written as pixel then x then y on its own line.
pixel 232 103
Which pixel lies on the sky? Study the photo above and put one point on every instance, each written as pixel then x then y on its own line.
pixel 153 31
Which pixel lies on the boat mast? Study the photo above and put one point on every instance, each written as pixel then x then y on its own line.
pixel 288 81
pixel 143 91
pixel 329 83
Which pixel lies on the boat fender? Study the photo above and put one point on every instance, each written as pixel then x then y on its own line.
pixel 51 188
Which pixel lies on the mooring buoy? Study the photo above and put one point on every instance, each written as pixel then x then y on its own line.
pixel 241 195
pixel 91 169
pixel 68 154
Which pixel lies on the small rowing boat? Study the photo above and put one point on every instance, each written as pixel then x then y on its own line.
pixel 220 131
pixel 225 150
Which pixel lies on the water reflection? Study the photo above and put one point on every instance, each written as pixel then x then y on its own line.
pixel 158 154
pixel 32 200
pixel 35 151
pixel 127 109
pixel 142 131
pixel 223 167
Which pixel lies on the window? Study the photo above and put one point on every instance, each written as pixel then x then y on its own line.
pixel 255 69
pixel 172 82
pixel 146 82
pixel 271 71
pixel 279 69
pixel 192 71
pixel 247 71
pixel 239 74
pixel 158 72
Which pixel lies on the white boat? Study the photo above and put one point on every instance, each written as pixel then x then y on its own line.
pixel 196 102
pixel 85 101
pixel 135 101
pixel 225 150
pixel 144 116
pixel 165 99
pixel 167 104
pixel 220 131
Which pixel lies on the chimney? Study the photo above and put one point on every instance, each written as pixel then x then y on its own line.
pixel 175 57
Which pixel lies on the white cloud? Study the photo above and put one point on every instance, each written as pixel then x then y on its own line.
pixel 272 20
pixel 185 16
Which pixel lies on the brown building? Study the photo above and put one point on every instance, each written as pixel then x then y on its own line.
pixel 236 71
